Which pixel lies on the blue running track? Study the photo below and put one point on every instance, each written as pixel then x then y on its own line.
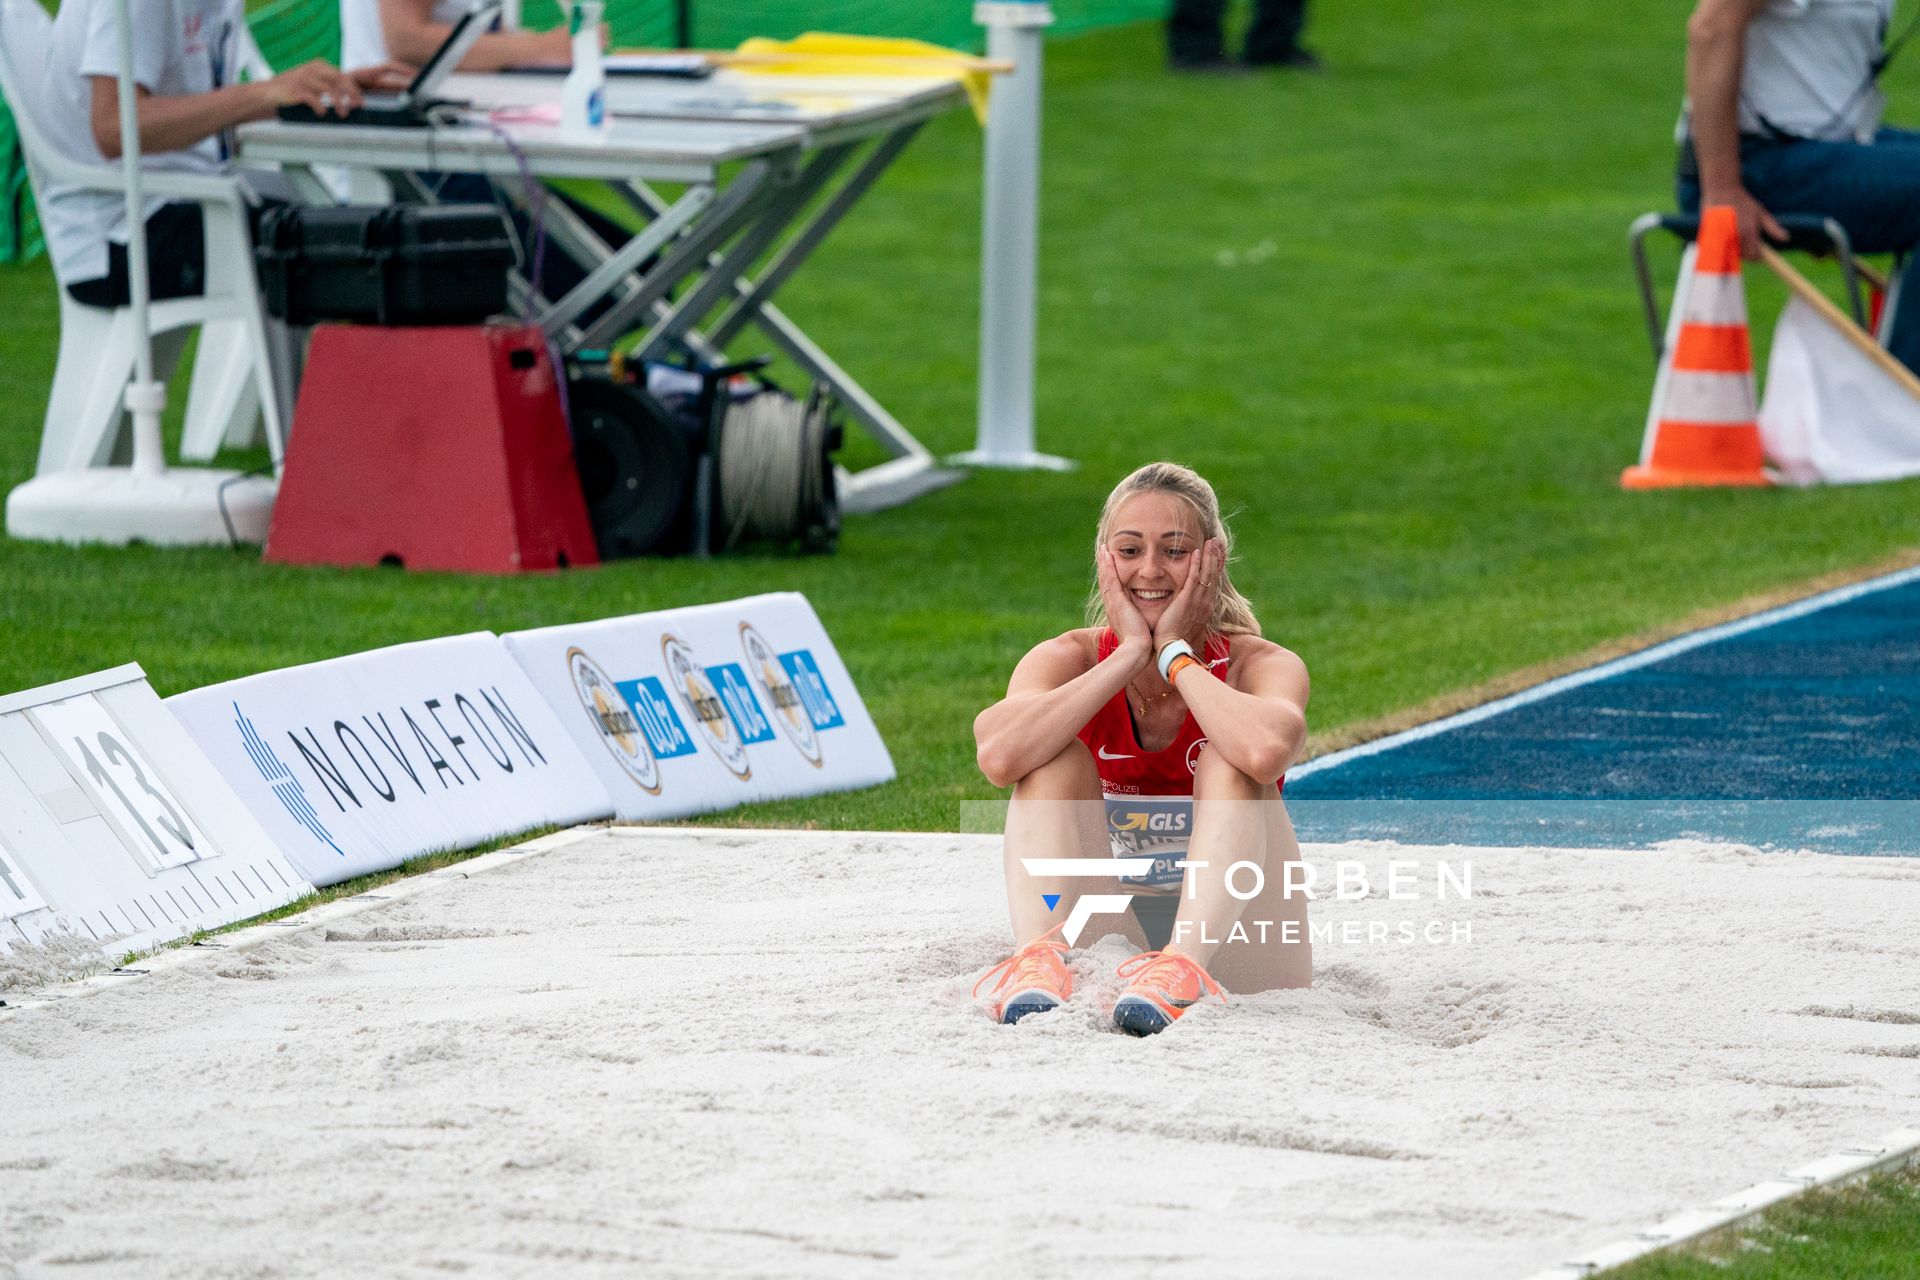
pixel 1795 728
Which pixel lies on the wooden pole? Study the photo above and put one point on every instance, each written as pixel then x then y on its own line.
pixel 1840 320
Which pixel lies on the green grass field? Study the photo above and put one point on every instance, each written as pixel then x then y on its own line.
pixel 1386 309
pixel 1867 1230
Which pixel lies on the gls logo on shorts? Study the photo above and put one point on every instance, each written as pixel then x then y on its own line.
pixel 1169 822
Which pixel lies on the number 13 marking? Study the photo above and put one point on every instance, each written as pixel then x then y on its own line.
pixel 170 821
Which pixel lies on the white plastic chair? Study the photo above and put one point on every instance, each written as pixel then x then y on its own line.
pixel 232 383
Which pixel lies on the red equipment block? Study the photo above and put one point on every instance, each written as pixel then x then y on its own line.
pixel 439 448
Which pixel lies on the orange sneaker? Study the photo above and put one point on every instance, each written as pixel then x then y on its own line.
pixel 1033 979
pixel 1161 984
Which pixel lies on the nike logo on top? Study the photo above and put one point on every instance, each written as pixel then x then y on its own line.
pixel 1108 755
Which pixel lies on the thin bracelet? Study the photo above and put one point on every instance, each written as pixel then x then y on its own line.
pixel 1180 663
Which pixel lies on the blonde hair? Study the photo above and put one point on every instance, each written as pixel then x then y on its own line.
pixel 1232 614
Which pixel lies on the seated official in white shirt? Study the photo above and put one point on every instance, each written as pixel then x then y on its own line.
pixel 185 66
pixel 372 31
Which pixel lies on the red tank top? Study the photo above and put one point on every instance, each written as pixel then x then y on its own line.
pixel 1128 770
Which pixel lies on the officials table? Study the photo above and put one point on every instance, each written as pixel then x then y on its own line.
pixel 767 166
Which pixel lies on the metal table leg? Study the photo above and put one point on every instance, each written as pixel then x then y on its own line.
pixel 617 269
pixel 724 269
pixel 735 208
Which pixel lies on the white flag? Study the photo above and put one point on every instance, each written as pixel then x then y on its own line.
pixel 1830 414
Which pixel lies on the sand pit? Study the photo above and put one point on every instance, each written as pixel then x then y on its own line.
pixel 672 1053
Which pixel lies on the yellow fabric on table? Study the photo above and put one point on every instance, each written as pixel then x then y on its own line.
pixel 819 53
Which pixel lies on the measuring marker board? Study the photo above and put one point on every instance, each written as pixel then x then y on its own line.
pixel 356 764
pixel 114 827
pixel 693 710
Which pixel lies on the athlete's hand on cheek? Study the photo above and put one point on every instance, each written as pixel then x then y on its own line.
pixel 1192 604
pixel 1123 615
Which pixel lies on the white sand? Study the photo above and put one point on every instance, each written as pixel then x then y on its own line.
pixel 737 1053
pixel 58 957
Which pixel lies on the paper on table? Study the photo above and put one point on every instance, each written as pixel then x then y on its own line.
pixel 693 66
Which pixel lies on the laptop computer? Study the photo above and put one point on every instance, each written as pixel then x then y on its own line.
pixel 410 108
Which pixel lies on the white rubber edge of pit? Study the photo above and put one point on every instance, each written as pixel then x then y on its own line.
pixel 1896 1149
pixel 241 941
pixel 1617 666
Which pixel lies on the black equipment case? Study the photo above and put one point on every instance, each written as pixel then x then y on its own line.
pixel 403 264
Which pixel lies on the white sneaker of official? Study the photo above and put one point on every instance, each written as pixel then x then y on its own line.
pixel 1831 414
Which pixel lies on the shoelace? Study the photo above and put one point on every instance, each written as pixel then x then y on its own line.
pixel 1012 965
pixel 1141 967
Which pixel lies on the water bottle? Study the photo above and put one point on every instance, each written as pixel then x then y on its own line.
pixel 583 99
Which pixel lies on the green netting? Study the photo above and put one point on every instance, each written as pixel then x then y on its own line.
pixel 724 23
pixel 291 31
pixel 19 228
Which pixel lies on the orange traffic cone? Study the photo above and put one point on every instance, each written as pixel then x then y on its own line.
pixel 1702 428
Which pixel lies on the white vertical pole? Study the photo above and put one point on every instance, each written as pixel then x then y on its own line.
pixel 146 398
pixel 1009 249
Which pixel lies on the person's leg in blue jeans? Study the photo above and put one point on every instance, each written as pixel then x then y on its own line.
pixel 1873 190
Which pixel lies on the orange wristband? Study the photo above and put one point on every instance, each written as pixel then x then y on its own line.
pixel 1179 664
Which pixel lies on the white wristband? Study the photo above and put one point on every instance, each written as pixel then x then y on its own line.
pixel 1169 651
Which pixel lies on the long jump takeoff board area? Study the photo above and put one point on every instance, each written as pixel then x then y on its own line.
pixel 1795 728
pixel 677 1053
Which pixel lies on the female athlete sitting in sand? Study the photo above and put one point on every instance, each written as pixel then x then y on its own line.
pixel 1170 693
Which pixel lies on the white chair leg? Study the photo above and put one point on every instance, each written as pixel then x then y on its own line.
pixel 223 406
pixel 269 369
pixel 83 415
pixel 83 426
pixel 85 353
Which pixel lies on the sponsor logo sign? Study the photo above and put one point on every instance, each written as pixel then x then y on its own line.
pixel 359 763
pixel 793 709
pixel 618 726
pixel 739 701
pixel 712 715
